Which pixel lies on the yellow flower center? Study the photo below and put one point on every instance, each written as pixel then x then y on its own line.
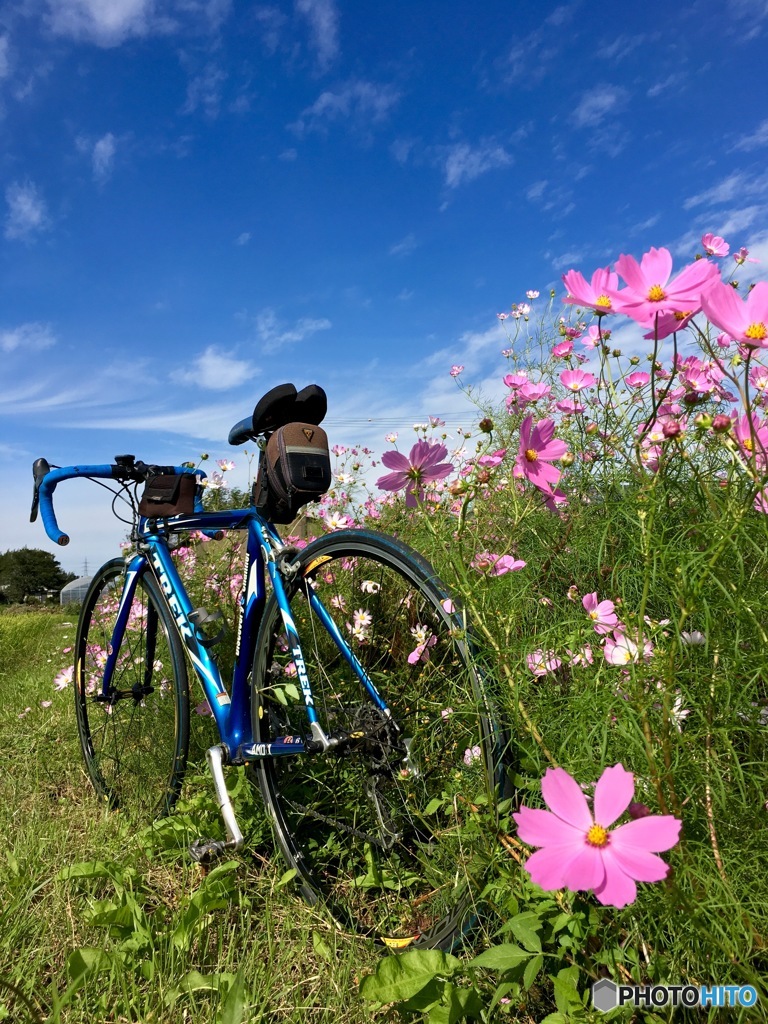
pixel 682 316
pixel 531 454
pixel 597 836
pixel 656 293
pixel 603 301
pixel 758 332
pixel 747 442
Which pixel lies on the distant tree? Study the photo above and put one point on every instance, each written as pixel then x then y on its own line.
pixel 29 571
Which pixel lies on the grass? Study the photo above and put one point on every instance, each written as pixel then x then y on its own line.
pixel 162 940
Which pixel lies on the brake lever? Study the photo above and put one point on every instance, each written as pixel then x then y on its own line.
pixel 40 468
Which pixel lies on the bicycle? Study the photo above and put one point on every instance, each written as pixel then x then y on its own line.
pixel 354 697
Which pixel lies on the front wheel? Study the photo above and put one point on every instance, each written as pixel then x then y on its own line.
pixel 396 827
pixel 135 737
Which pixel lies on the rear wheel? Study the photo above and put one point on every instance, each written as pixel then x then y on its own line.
pixel 135 737
pixel 394 829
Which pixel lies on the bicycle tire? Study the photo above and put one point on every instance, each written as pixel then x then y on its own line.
pixel 135 744
pixel 397 847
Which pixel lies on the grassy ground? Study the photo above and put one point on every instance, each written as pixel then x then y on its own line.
pixel 99 923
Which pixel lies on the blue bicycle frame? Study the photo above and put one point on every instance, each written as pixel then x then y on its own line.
pixel 265 551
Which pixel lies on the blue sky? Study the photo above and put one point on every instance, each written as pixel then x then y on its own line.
pixel 201 199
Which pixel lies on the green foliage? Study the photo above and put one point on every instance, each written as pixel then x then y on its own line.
pixel 30 572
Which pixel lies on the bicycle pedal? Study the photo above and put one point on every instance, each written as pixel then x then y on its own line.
pixel 206 851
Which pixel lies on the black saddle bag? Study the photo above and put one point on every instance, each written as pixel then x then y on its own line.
pixel 294 469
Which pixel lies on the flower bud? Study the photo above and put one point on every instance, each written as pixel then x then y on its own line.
pixel 634 361
pixel 616 353
pixel 486 425
pixel 591 428
pixel 482 476
pixel 693 398
pixel 637 810
pixel 567 459
pixel 457 487
pixel 671 428
pixel 703 421
pixel 721 423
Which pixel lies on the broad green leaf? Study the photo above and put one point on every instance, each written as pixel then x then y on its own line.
pixel 532 968
pixel 194 981
pixel 286 877
pixel 400 977
pixel 500 958
pixel 321 947
pixel 233 1009
pixel 82 962
pixel 523 927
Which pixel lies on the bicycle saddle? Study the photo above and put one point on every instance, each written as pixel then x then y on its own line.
pixel 282 404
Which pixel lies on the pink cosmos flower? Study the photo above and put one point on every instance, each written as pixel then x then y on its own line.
pixel 542 662
pixel 595 336
pixel 752 435
pixel 579 852
pixel 667 323
pixel 595 295
pixel 714 245
pixel 620 649
pixel 650 290
pixel 575 380
pixel 496 565
pixel 602 613
pixel 537 452
pixel 746 320
pixel 422 466
pixel 742 256
pixel 638 379
pixel 456 370
pixel 563 349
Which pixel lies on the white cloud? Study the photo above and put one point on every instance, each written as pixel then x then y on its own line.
pixel 756 140
pixel 29 337
pixel 596 104
pixel 361 102
pixel 27 214
pixel 105 22
pixel 273 334
pixel 463 163
pixel 204 91
pixel 404 246
pixel 111 22
pixel 215 370
pixel 735 186
pixel 243 238
pixel 103 156
pixel 323 19
pixel 5 63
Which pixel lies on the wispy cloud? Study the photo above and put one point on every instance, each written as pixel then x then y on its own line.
pixel 273 334
pixel 106 24
pixel 29 337
pixel 733 187
pixel 533 55
pixel 323 19
pixel 5 62
pixel 243 238
pixel 27 213
pixel 101 153
pixel 597 103
pixel 363 103
pixel 666 85
pixel 204 91
pixel 756 140
pixel 404 246
pixel 619 47
pixel 215 370
pixel 111 22
pixel 462 162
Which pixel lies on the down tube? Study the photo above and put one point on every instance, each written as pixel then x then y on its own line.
pixel 333 631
